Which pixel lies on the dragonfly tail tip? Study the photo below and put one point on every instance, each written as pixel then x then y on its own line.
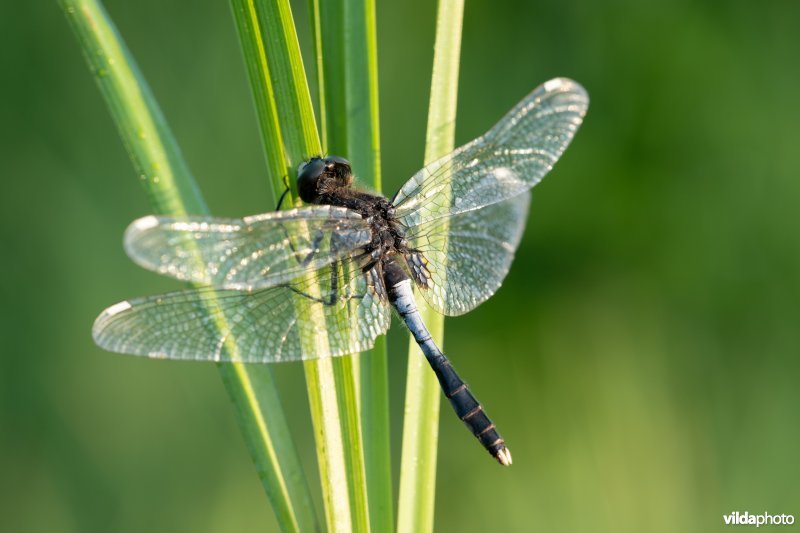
pixel 504 457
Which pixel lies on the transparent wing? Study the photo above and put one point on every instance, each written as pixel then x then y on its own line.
pixel 509 159
pixel 338 310
pixel 461 261
pixel 249 253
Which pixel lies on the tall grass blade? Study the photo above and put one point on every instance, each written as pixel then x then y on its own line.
pixel 347 70
pixel 289 132
pixel 171 189
pixel 421 424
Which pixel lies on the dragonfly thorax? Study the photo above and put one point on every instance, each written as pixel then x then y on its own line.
pixel 328 181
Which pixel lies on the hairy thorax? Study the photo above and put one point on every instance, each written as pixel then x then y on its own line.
pixel 388 236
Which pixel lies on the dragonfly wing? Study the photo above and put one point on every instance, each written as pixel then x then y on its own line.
pixel 509 159
pixel 462 260
pixel 249 253
pixel 338 310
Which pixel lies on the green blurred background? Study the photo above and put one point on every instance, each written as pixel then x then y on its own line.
pixel 641 358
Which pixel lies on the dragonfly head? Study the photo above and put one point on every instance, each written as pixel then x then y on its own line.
pixel 319 176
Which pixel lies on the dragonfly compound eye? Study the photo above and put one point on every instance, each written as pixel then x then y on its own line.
pixel 308 175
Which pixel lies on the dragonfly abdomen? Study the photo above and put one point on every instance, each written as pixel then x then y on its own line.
pixel 466 406
pixel 471 412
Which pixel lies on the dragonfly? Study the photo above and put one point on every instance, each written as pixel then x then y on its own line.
pixel 321 280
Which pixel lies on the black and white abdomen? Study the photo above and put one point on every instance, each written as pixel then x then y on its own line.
pixel 466 406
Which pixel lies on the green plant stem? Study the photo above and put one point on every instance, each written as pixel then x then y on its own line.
pixel 289 133
pixel 421 423
pixel 363 149
pixel 347 70
pixel 171 190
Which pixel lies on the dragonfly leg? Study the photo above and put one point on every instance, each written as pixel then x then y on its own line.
pixel 285 191
pixel 315 244
pixel 324 301
pixel 334 296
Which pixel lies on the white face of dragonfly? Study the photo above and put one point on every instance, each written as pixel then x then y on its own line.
pixel 322 176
